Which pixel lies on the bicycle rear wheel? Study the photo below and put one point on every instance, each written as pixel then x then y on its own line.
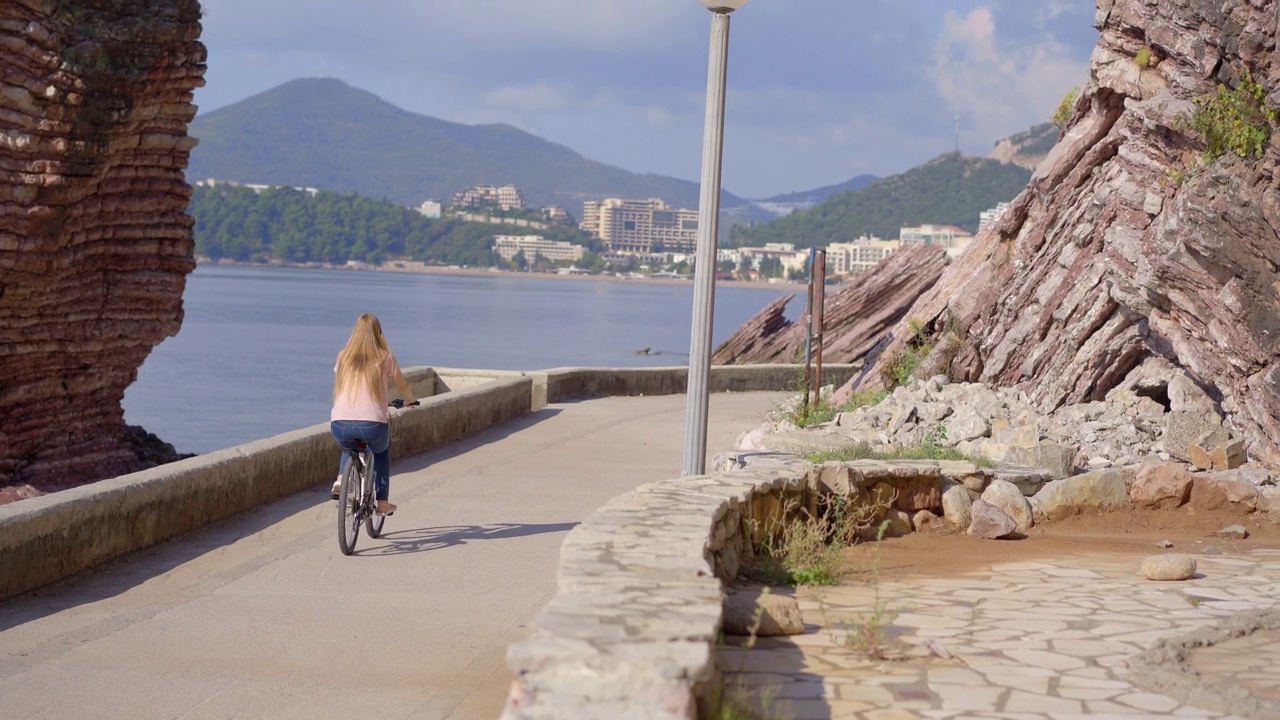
pixel 373 524
pixel 348 507
pixel 373 521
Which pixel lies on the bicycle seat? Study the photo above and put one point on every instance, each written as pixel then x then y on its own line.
pixel 360 446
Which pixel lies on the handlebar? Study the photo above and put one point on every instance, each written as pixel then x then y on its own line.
pixel 398 403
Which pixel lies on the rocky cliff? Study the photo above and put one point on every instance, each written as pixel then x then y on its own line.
pixel 857 314
pixel 95 243
pixel 1131 249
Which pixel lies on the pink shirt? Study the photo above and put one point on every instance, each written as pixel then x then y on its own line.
pixel 357 404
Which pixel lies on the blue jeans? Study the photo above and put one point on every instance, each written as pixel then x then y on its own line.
pixel 378 437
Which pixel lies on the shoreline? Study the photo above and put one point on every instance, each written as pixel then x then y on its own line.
pixel 413 267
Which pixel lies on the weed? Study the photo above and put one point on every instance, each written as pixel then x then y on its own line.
pixel 1066 108
pixel 900 366
pixel 1143 58
pixel 1194 601
pixel 808 550
pixel 863 451
pixel 869 632
pixel 798 553
pixel 1234 120
pixel 935 439
pixel 822 410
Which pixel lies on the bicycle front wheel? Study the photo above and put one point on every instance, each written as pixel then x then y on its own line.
pixel 348 506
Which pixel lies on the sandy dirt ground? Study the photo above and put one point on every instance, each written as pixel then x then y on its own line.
pixel 947 552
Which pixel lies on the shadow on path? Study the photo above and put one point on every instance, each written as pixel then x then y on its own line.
pixel 121 574
pixel 438 538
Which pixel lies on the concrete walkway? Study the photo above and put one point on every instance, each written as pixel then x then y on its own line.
pixel 262 617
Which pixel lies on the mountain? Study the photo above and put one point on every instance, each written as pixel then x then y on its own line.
pixel 951 189
pixel 805 199
pixel 323 133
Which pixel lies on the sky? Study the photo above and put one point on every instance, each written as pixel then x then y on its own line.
pixel 818 91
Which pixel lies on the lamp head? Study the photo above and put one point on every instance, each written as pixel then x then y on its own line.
pixel 723 6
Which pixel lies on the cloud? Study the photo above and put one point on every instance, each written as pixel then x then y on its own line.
pixel 819 89
pixel 519 99
pixel 999 84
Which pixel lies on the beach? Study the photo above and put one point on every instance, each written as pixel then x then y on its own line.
pixel 410 266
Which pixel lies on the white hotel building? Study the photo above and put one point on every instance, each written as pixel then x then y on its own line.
pixel 508 246
pixel 641 226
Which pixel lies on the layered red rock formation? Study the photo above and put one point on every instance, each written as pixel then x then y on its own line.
pixel 95 243
pixel 1124 247
pixel 857 314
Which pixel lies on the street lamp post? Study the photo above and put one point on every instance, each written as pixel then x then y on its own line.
pixel 704 271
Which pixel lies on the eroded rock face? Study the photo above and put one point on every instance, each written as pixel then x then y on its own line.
pixel 95 243
pixel 1121 251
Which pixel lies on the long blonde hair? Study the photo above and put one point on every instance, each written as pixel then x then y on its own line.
pixel 360 362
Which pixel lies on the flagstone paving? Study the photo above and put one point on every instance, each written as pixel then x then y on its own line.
pixel 1044 640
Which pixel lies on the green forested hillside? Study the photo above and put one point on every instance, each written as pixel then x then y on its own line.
pixel 290 225
pixel 949 190
pixel 323 133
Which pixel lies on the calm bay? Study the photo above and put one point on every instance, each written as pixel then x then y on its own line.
pixel 255 354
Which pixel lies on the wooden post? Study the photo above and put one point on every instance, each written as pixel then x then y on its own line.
pixel 819 300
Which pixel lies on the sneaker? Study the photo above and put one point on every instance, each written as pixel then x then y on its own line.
pixel 386 508
pixel 337 486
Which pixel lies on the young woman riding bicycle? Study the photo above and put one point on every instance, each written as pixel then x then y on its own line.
pixel 364 368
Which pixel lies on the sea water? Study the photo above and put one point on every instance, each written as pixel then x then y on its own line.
pixel 255 354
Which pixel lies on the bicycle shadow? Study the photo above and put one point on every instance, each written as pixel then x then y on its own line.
pixel 402 542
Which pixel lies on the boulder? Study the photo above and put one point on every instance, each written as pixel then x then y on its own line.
pixel 1096 491
pixel 1211 491
pixel 899 524
pixel 1161 485
pixel 748 612
pixel 1009 499
pixel 1215 450
pixel 1171 566
pixel 957 506
pixel 924 520
pixel 1233 532
pixel 990 522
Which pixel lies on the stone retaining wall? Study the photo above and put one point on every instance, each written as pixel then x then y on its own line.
pixel 631 630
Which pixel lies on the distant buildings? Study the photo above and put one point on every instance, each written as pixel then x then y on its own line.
pixel 507 197
pixel 640 226
pixel 257 188
pixel 557 215
pixel 953 239
pixel 785 253
pixel 430 208
pixel 858 256
pixel 508 246
pixel 986 217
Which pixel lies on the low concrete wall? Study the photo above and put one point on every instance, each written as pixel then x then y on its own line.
pixel 570 383
pixel 51 537
pixel 561 384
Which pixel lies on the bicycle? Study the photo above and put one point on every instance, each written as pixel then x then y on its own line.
pixel 357 501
